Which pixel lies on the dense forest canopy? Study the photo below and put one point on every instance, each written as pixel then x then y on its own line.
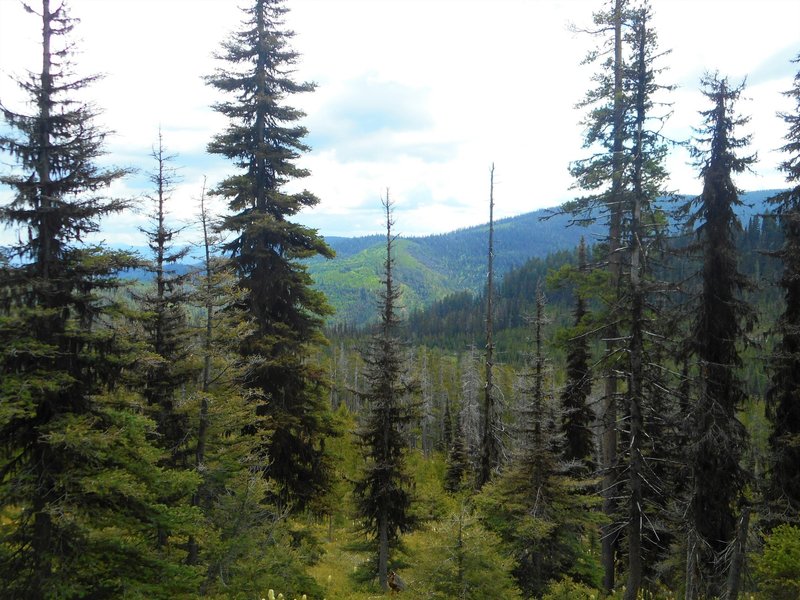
pixel 598 400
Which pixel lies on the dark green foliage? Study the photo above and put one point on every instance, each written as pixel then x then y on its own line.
pixel 383 493
pixel 456 476
pixel 534 506
pixel 783 396
pixel 163 316
pixel 79 488
pixel 263 140
pixel 577 416
pixel 717 332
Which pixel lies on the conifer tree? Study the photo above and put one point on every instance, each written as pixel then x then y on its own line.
pixel 490 430
pixel 533 505
pixel 264 141
pixel 783 396
pixel 717 333
pixel 78 481
pixel 577 416
pixel 168 369
pixel 447 420
pixel 383 493
pixel 464 561
pixel 603 176
pixel 648 394
pixel 458 464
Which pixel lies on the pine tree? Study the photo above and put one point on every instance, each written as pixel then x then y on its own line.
pixel 602 175
pixel 383 494
pixel 264 140
pixel 168 369
pixel 625 176
pixel 458 469
pixel 718 330
pixel 78 481
pixel 577 416
pixel 533 505
pixel 648 392
pixel 783 396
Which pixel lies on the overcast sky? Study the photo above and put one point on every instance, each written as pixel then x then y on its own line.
pixel 419 96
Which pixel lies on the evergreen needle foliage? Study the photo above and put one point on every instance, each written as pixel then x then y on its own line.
pixel 263 140
pixel 78 474
pixel 783 397
pixel 722 319
pixel 383 493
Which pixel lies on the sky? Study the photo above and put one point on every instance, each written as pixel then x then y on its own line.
pixel 419 97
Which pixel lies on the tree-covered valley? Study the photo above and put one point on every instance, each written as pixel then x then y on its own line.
pixel 598 400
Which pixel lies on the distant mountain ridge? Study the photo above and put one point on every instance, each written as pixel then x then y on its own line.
pixel 432 267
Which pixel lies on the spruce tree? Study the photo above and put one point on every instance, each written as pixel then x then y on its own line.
pixel 464 561
pixel 718 331
pixel 577 415
pixel 458 464
pixel 534 505
pixel 78 482
pixel 383 493
pixel 648 394
pixel 783 396
pixel 603 176
pixel 264 141
pixel 168 369
pixel 624 177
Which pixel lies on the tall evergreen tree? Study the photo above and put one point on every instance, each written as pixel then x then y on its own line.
pixel 383 494
pixel 78 482
pixel 783 396
pixel 458 463
pixel 717 333
pixel 168 369
pixel 647 388
pixel 625 177
pixel 577 415
pixel 264 140
pixel 603 176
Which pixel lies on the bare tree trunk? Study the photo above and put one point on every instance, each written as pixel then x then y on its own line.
pixel 202 427
pixel 636 350
pixel 490 455
pixel 42 524
pixel 737 560
pixel 609 415
pixel 383 551
pixel 691 558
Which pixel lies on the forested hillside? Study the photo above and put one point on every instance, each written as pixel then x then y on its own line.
pixel 433 267
pixel 524 409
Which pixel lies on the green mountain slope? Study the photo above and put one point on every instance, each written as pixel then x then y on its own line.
pixel 352 282
pixel 432 267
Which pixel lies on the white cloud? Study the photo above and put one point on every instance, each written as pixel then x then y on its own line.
pixel 420 96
